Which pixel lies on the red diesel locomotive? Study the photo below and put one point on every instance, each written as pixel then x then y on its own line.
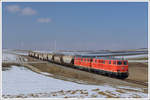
pixel 113 67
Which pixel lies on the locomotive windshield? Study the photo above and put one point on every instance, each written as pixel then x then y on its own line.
pixel 119 63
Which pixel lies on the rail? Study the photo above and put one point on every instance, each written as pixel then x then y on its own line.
pixel 21 62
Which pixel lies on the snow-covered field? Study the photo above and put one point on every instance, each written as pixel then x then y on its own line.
pixel 19 81
pixel 140 61
pixel 135 56
pixel 12 56
pixel 9 57
pixel 18 52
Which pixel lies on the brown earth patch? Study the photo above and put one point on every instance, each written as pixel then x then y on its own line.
pixel 105 94
pixel 138 72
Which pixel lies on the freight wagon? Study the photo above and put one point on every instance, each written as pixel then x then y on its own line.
pixel 68 60
pixel 40 56
pixel 50 57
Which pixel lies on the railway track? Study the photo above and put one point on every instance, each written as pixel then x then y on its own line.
pixel 136 82
pixel 126 80
pixel 22 62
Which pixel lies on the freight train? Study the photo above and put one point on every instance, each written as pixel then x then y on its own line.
pixel 109 66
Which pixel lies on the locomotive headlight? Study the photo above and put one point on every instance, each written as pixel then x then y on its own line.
pixel 122 68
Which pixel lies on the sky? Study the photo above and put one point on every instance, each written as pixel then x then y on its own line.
pixel 74 26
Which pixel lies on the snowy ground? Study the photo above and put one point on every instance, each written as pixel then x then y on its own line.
pixel 20 53
pixel 134 56
pixel 10 56
pixel 19 81
pixel 140 61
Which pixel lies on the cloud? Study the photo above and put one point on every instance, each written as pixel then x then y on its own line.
pixel 13 8
pixel 44 20
pixel 23 11
pixel 28 11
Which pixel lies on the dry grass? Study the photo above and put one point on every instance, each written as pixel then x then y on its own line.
pixel 142 58
pixel 120 91
pixel 93 96
pixel 130 90
pixel 97 89
pixel 105 94
pixel 138 72
pixel 136 96
pixel 73 92
pixel 10 64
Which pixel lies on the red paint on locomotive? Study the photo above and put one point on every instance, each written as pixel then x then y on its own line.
pixel 111 65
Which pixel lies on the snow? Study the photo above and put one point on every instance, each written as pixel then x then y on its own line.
pixel 9 57
pixel 27 82
pixel 20 80
pixel 42 51
pixel 136 56
pixel 141 61
pixel 47 74
pixel 13 56
pixel 21 53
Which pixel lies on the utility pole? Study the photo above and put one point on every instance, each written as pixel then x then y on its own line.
pixel 22 45
pixel 55 45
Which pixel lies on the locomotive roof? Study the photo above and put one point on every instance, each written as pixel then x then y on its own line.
pixel 110 58
pixel 105 58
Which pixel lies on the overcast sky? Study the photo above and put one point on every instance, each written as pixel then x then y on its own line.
pixel 75 26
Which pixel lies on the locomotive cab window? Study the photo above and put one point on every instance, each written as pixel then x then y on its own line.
pixel 125 62
pixel 103 62
pixel 119 62
pixel 114 62
pixel 109 62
